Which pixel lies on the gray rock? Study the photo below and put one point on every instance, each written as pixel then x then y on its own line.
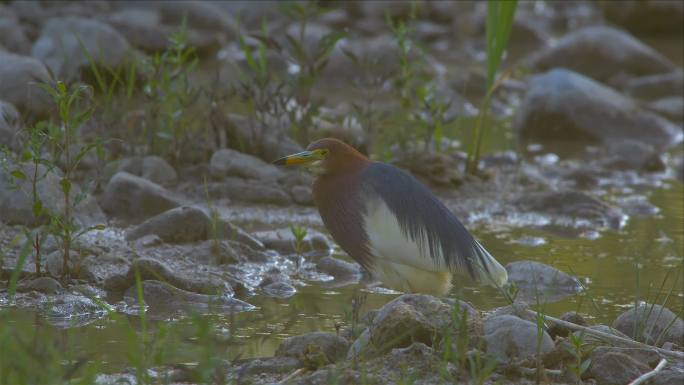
pixel 60 49
pixel 671 108
pixel 13 36
pixel 130 197
pixel 657 86
pixel 145 29
pixel 419 362
pixel 162 297
pixel 652 324
pixel 519 309
pixel 670 376
pixel 180 224
pixel 634 155
pixel 417 318
pixel 602 52
pixel 341 270
pixel 646 17
pixel 509 338
pixel 268 365
pixel 302 195
pixel 537 281
pixel 563 105
pixel 649 357
pixel 596 340
pixel 279 290
pixel 19 76
pixel 612 368
pixel 153 269
pixel 229 231
pixel 16 203
pixel 54 263
pixel 361 344
pixel 284 241
pixel 333 347
pixel 9 124
pixel 151 167
pixel 67 311
pixel 197 14
pixel 561 331
pixel 381 48
pixel 248 191
pixel 573 204
pixel 247 136
pixel 47 285
pixel 228 162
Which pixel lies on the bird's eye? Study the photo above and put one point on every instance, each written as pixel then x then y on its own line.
pixel 324 152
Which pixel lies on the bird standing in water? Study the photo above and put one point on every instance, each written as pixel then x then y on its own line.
pixel 390 223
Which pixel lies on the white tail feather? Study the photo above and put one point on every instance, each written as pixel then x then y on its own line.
pixel 488 269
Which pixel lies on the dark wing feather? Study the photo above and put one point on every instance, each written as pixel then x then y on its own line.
pixel 424 218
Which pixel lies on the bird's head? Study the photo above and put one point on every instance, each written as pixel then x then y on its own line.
pixel 326 156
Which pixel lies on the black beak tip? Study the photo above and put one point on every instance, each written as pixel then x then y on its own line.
pixel 280 161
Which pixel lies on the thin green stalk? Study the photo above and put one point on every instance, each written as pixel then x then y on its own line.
pixel 14 278
pixel 499 21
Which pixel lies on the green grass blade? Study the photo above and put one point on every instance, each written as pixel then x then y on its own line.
pixel 499 21
pixel 500 15
pixel 21 261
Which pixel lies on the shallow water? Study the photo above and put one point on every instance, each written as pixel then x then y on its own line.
pixel 643 259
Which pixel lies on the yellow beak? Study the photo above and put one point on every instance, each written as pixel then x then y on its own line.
pixel 300 158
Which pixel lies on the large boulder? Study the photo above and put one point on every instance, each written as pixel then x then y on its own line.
pixel 258 139
pixel 671 108
pixel 16 201
pixel 244 190
pixel 657 86
pixel 204 15
pixel 331 346
pixel 162 297
pixel 415 318
pixel 180 224
pixel 602 53
pixel 229 162
pixel 566 106
pixel 133 198
pixel 649 16
pixel 151 167
pixel 66 43
pixel 509 338
pixel 9 124
pixel 538 281
pixel 653 324
pixel 19 79
pixel 150 268
pixel 144 28
pixel 284 240
pixel 573 208
pixel 613 368
pixel 12 34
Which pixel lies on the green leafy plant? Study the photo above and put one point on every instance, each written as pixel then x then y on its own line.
pixel 500 15
pixel 173 104
pixel 369 80
pixel 425 108
pixel 481 366
pixel 31 166
pixel 74 109
pixel 577 348
pixel 299 233
pixel 287 98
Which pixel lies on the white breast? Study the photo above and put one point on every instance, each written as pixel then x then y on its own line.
pixel 389 244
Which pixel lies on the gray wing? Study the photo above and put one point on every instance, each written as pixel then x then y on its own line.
pixel 422 217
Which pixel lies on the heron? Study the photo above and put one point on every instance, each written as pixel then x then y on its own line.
pixel 392 224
